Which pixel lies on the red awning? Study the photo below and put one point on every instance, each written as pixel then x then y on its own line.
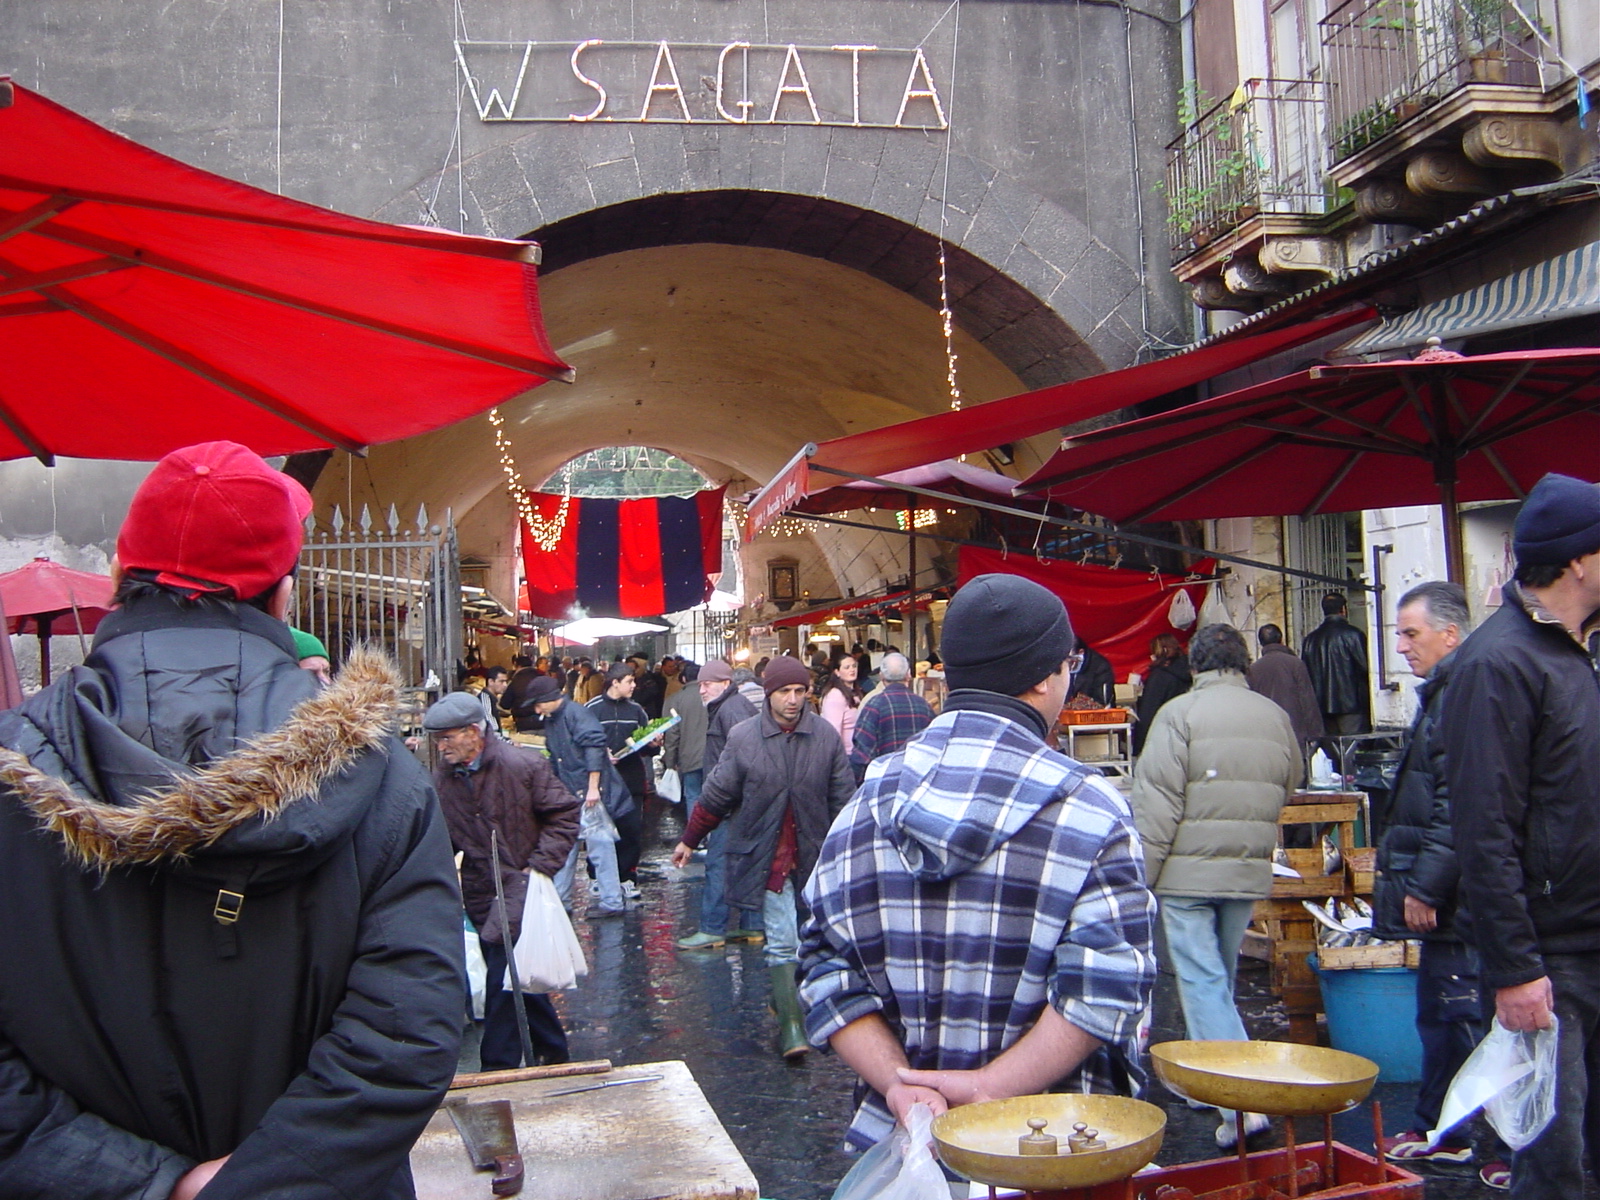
pixel 954 478
pixel 895 601
pixel 146 304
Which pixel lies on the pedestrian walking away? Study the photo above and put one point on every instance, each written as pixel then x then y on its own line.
pixel 1218 765
pixel 1522 764
pixel 488 787
pixel 890 717
pixel 577 746
pixel 226 894
pixel 1415 896
pixel 725 707
pixel 979 925
pixel 1281 676
pixel 1335 654
pixel 781 780
pixel 1169 677
pixel 684 749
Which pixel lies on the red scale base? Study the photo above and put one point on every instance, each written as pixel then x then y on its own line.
pixel 1326 1170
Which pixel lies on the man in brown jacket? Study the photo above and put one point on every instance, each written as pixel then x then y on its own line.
pixel 1281 676
pixel 488 785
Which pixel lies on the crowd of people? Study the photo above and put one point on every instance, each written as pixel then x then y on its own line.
pixel 207 823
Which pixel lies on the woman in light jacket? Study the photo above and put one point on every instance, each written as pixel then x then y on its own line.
pixel 1218 765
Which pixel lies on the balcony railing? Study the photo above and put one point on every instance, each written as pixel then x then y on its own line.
pixel 1387 60
pixel 1261 150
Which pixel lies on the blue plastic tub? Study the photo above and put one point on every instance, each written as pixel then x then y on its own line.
pixel 1373 1012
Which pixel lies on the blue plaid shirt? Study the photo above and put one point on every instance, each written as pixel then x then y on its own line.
pixel 976 876
pixel 885 722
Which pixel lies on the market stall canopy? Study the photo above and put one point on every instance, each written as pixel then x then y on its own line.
pixel 955 479
pixel 589 630
pixel 36 594
pixel 983 426
pixel 146 304
pixel 823 613
pixel 1438 429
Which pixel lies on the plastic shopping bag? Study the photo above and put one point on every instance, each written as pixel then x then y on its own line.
pixel 901 1167
pixel 670 786
pixel 596 825
pixel 1512 1077
pixel 477 971
pixel 547 956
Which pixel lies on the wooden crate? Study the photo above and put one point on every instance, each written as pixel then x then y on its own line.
pixel 1374 954
pixel 1313 885
pixel 1362 865
pixel 1095 716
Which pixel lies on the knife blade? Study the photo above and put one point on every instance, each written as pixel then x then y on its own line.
pixel 595 1087
pixel 490 1135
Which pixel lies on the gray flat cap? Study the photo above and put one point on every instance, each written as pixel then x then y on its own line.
pixel 454 711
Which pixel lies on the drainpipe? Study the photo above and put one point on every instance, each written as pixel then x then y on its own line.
pixel 1385 684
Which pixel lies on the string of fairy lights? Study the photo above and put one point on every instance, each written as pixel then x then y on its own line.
pixel 545 533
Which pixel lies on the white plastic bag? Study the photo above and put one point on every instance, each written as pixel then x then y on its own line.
pixel 595 824
pixel 1180 613
pixel 670 786
pixel 477 971
pixel 547 956
pixel 1512 1077
pixel 901 1167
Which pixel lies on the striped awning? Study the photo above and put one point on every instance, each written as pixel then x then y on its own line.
pixel 1561 287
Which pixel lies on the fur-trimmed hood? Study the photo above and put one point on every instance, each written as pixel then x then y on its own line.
pixel 71 754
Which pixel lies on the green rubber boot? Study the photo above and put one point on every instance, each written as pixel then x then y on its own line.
pixel 786 1003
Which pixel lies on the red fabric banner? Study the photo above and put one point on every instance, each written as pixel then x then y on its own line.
pixel 639 584
pixel 1115 610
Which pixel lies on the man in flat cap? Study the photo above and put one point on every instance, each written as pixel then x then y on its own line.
pixel 227 904
pixel 979 921
pixel 1521 728
pixel 486 787
pixel 780 780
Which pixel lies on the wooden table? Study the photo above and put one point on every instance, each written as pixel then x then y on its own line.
pixel 647 1141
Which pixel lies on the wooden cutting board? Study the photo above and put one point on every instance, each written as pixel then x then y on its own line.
pixel 646 1141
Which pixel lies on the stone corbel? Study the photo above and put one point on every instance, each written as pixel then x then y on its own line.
pixel 1284 255
pixel 1447 173
pixel 1514 141
pixel 1246 277
pixel 1390 202
pixel 1211 293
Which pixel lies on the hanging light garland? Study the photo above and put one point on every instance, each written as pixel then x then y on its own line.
pixel 783 527
pixel 948 319
pixel 546 534
pixel 923 517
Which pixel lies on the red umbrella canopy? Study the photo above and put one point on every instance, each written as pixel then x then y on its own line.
pixel 949 476
pixel 146 305
pixel 47 589
pixel 1441 428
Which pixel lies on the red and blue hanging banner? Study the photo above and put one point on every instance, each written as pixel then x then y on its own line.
pixel 621 558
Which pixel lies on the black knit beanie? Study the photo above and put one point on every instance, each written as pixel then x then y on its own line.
pixel 1560 521
pixel 1003 633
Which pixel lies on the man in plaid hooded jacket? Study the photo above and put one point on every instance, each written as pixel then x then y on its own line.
pixel 979 924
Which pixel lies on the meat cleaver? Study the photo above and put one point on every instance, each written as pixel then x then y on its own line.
pixel 491 1139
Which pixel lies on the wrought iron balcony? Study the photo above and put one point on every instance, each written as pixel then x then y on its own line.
pixel 1263 150
pixel 1389 60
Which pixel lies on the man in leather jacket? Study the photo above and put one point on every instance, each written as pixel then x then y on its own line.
pixel 1335 653
pixel 1417 874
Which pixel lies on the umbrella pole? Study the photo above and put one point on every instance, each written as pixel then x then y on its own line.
pixel 911 580
pixel 43 624
pixel 1454 558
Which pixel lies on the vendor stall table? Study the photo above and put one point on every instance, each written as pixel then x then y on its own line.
pixel 648 1141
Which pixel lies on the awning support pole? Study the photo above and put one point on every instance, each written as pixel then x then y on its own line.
pixel 1104 530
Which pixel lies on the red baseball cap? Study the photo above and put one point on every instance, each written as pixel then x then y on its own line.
pixel 215 518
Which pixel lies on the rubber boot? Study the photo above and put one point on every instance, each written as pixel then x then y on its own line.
pixel 786 1004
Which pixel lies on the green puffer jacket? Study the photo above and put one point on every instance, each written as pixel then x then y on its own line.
pixel 1217 766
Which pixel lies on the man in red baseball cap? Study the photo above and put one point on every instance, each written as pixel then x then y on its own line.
pixel 230 892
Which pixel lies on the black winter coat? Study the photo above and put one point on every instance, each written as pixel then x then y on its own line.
pixel 1335 653
pixel 1522 755
pixel 722 714
pixel 577 744
pixel 765 771
pixel 1095 679
pixel 1166 681
pixel 1417 855
pixel 313 1037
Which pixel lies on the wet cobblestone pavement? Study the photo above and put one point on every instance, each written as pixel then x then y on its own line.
pixel 646 1001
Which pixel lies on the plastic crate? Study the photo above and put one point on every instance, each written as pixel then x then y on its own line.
pixel 1095 716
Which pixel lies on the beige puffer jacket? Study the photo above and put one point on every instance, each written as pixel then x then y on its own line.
pixel 1217 767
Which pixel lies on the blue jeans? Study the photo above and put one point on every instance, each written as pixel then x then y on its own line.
pixel 714 892
pixel 1449 1012
pixel 603 857
pixel 1203 938
pixel 781 920
pixel 691 781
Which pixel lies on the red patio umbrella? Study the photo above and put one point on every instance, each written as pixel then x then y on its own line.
pixel 1438 429
pixel 37 595
pixel 146 304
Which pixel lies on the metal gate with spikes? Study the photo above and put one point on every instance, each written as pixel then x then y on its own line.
pixel 363 581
